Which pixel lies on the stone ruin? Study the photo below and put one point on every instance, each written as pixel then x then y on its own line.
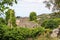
pixel 24 22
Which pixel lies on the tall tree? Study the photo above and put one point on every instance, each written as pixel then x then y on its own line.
pixel 54 4
pixel 33 16
pixel 10 17
pixel 4 5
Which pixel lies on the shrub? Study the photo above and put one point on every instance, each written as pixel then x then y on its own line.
pixel 36 31
pixel 15 33
pixel 57 20
pixel 1 32
pixel 2 21
pixel 51 24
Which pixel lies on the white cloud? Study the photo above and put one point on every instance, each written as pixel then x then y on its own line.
pixel 24 7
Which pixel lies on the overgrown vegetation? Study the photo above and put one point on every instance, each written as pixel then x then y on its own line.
pixel 18 33
pixel 10 17
pixel 51 24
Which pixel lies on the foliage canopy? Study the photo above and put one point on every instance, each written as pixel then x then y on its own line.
pixel 33 16
pixel 51 24
pixel 54 4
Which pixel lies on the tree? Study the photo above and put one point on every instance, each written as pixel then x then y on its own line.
pixel 54 4
pixel 4 5
pixel 5 2
pixel 33 16
pixel 10 17
pixel 51 24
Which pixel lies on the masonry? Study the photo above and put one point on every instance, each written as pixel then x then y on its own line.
pixel 24 22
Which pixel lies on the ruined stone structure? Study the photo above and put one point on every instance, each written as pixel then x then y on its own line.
pixel 24 22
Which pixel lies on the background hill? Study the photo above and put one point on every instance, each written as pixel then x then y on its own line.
pixel 41 18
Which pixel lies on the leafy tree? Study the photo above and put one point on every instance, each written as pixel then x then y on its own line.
pixel 33 16
pixel 18 17
pixel 51 24
pixel 6 2
pixel 10 17
pixel 4 5
pixel 54 3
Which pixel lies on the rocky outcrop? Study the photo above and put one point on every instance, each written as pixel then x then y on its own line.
pixel 55 33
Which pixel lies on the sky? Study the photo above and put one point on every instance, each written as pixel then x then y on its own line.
pixel 24 7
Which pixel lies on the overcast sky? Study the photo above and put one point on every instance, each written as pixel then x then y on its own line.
pixel 24 7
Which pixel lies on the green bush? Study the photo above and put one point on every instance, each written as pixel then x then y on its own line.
pixel 2 21
pixel 18 33
pixel 1 32
pixel 51 24
pixel 36 31
pixel 57 20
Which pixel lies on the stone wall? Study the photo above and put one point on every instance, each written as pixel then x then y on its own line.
pixel 24 22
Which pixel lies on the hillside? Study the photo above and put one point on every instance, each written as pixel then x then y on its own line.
pixel 51 15
pixel 44 17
